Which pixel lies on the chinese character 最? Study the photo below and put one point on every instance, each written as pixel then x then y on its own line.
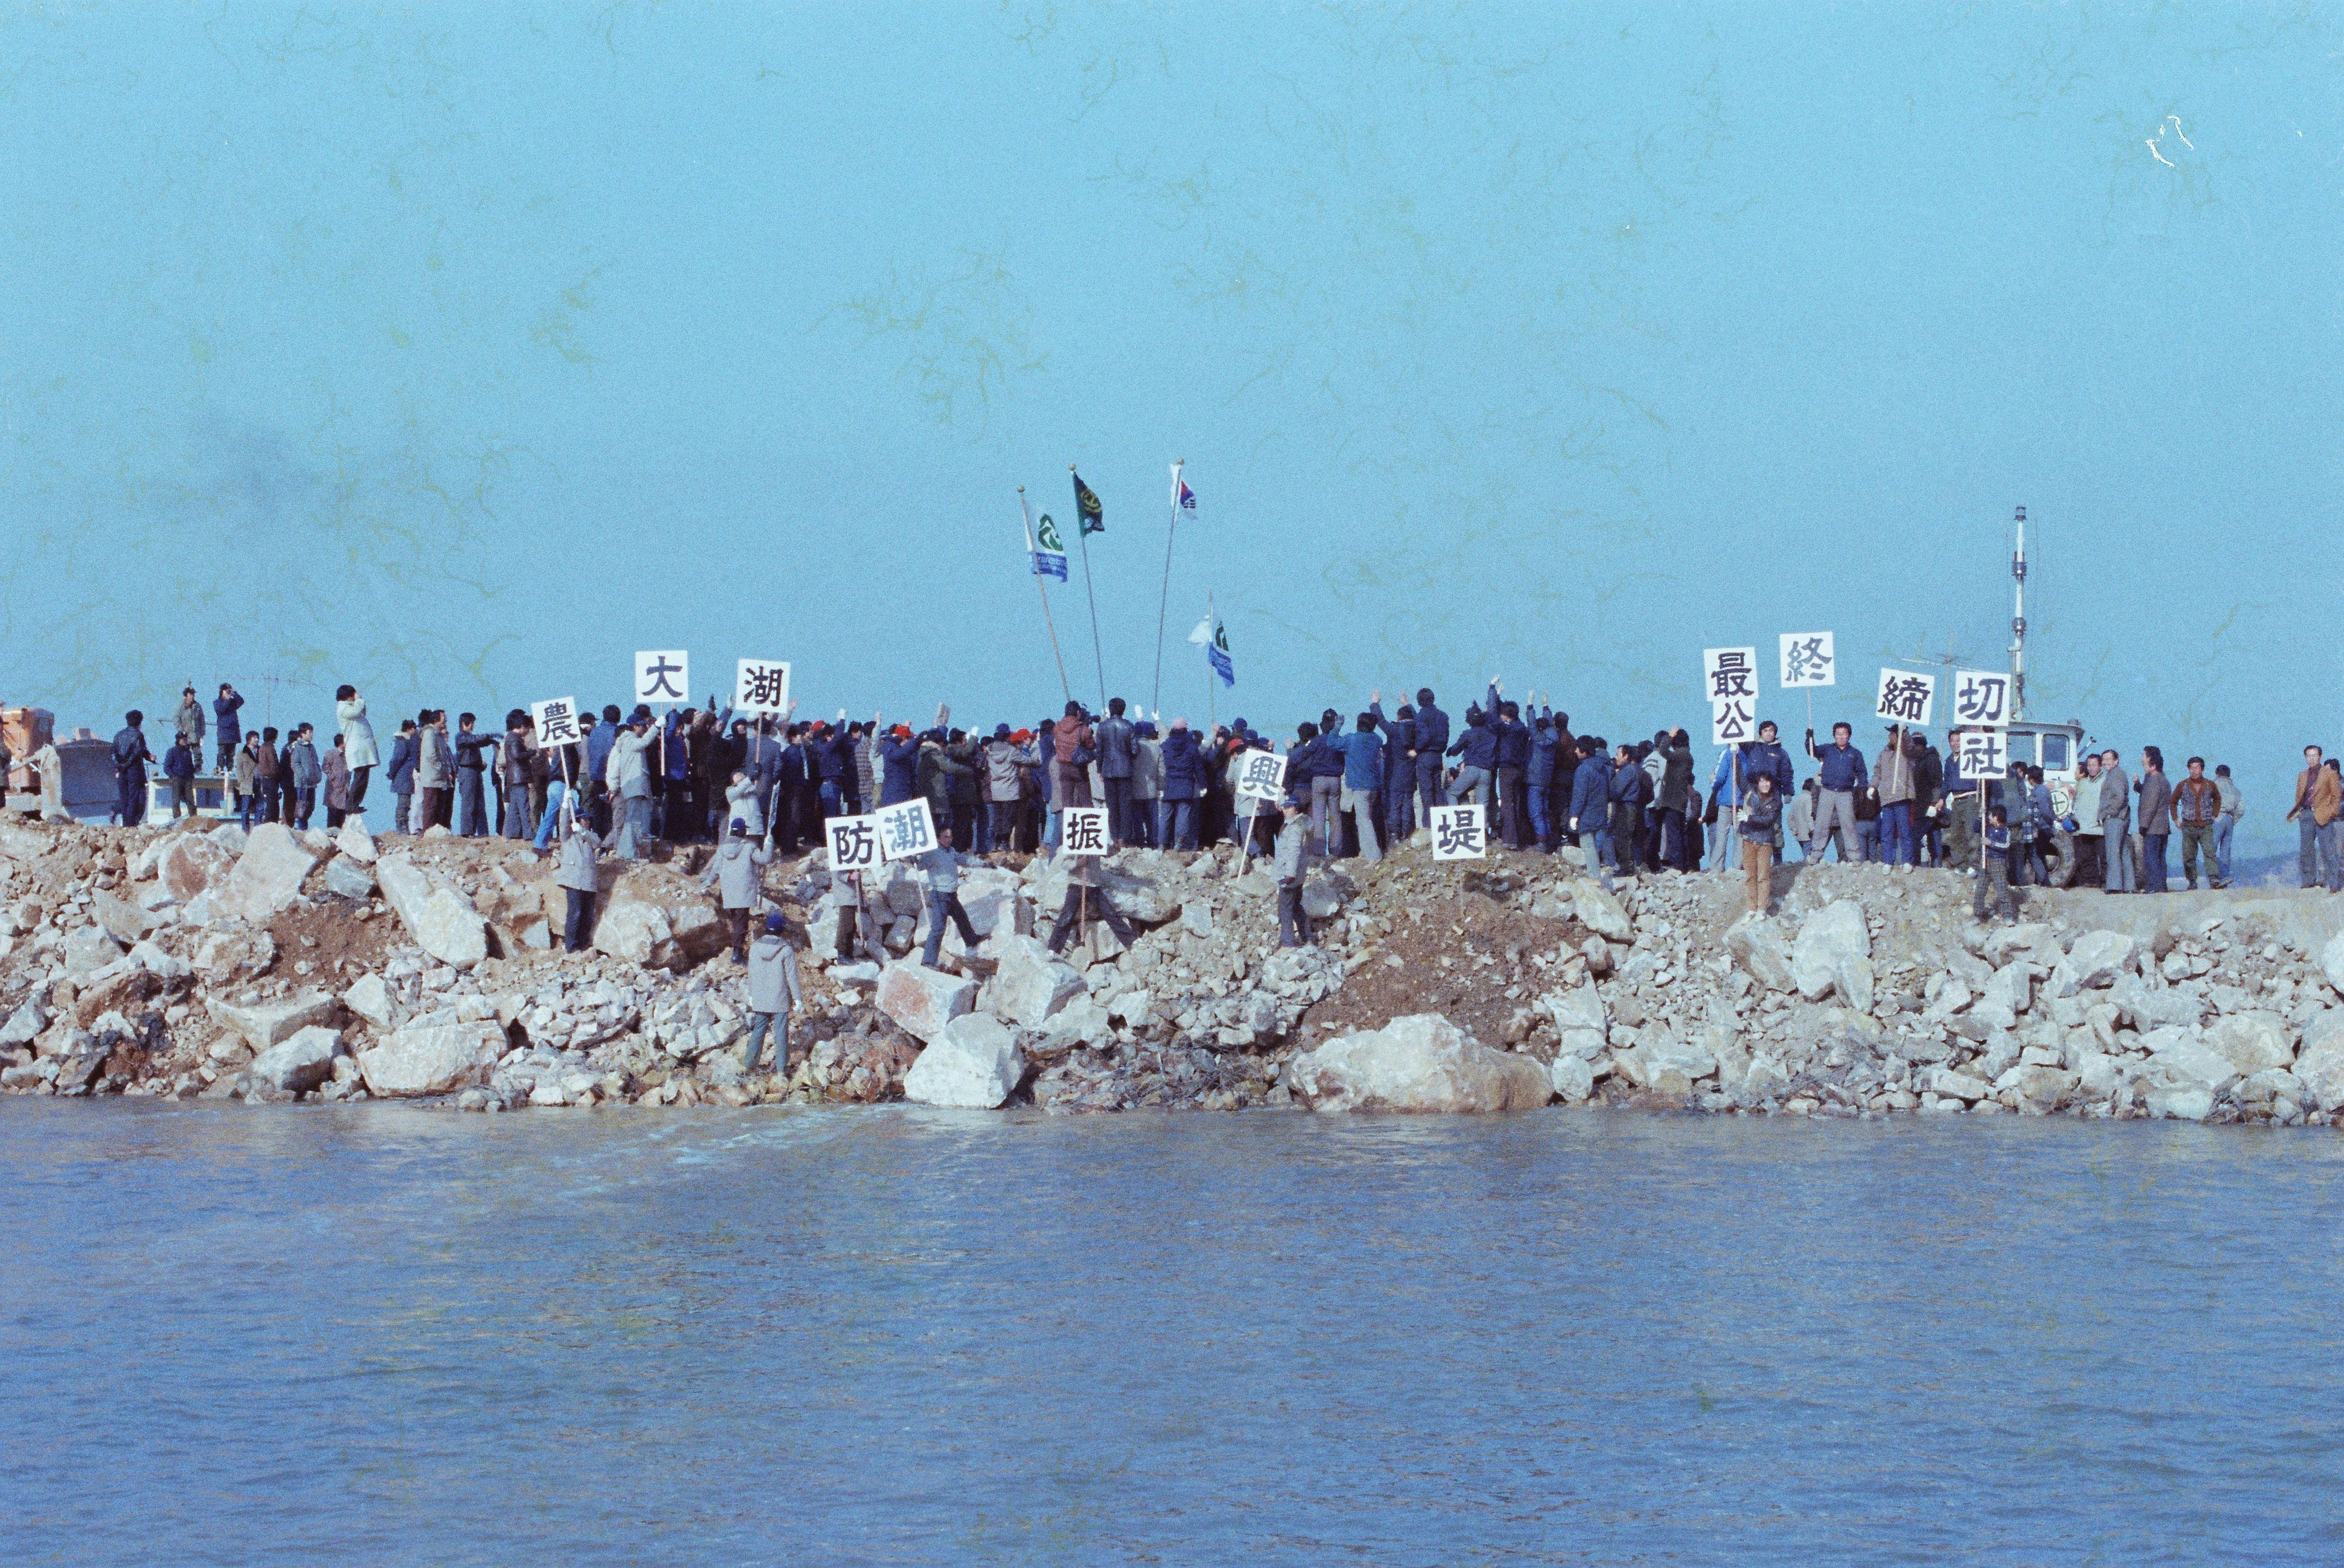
pixel 1733 676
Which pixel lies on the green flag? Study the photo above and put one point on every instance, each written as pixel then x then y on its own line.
pixel 1087 508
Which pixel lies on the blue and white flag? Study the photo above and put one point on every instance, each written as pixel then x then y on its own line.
pixel 1215 638
pixel 1050 557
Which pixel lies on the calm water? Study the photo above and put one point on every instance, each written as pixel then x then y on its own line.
pixel 887 1336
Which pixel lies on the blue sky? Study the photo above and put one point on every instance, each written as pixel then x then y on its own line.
pixel 458 351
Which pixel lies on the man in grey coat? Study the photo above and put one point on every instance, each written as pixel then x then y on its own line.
pixel 1116 754
pixel 576 877
pixel 736 874
pixel 2116 823
pixel 773 991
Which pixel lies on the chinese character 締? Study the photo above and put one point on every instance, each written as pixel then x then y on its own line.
pixel 1905 697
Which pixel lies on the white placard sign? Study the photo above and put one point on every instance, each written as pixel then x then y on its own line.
pixel 556 722
pixel 1808 660
pixel 1260 774
pixel 663 675
pixel 905 828
pixel 763 687
pixel 1458 833
pixel 1982 754
pixel 1731 721
pixel 1981 697
pixel 1082 830
pixel 1906 698
pixel 853 843
pixel 1730 673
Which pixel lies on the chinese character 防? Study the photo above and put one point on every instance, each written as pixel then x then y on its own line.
pixel 763 687
pixel 1979 700
pixel 1806 661
pixel 850 844
pixel 1904 697
pixel 659 686
pixel 907 833
pixel 1460 832
pixel 1734 676
pixel 1084 835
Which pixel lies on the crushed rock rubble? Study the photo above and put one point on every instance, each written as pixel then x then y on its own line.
pixel 185 963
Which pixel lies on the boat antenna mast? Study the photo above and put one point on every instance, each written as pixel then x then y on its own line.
pixel 2018 623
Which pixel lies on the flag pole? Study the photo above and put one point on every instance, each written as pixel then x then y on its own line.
pixel 1041 588
pixel 1165 596
pixel 1083 533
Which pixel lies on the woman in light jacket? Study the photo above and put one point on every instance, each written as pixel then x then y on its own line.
pixel 357 743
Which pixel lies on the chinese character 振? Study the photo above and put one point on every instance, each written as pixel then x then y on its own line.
pixel 1083 833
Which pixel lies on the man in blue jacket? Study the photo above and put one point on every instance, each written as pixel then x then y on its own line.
pixel 1841 771
pixel 1184 786
pixel 401 774
pixel 1476 751
pixel 899 758
pixel 1431 746
pixel 1117 743
pixel 1590 801
pixel 1363 765
pixel 227 727
pixel 1399 766
pixel 130 759
pixel 1513 762
pixel 1538 779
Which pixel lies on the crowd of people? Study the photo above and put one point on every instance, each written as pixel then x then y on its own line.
pixel 702 774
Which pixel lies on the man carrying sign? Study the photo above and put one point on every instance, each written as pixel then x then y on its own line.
pixel 1084 839
pixel 853 843
pixel 1293 865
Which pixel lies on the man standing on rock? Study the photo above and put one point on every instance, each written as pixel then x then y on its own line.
pixel 2116 823
pixel 854 918
pixel 577 876
pixel 400 771
pixel 2156 818
pixel 773 991
pixel 2196 807
pixel 435 768
pixel 357 743
pixel 1082 893
pixel 630 782
pixel 734 872
pixel 1115 742
pixel 1293 867
pixel 1762 815
pixel 2308 831
pixel 187 726
pixel 1894 775
pixel 1994 885
pixel 939 871
pixel 1842 773
pixel 130 759
pixel 1427 746
pixel 2234 806
pixel 228 727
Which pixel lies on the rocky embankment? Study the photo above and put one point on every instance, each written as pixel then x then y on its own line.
pixel 189 963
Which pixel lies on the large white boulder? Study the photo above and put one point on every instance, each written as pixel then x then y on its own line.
pixel 1601 913
pixel 2252 1042
pixel 1581 1022
pixel 1833 953
pixel 193 863
pixel 346 878
pixel 1949 1083
pixel 1128 882
pixel 2094 959
pixel 264 1023
pixel 2154 1006
pixel 2320 1063
pixel 1418 1063
pixel 2182 1057
pixel 430 1058
pixel 268 875
pixel 922 1000
pixel 370 999
pixel 355 842
pixel 1031 983
pixel 442 921
pixel 1756 943
pixel 1573 1079
pixel 301 1061
pixel 975 1063
pixel 1666 1063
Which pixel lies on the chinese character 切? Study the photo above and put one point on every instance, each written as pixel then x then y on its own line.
pixel 1979 699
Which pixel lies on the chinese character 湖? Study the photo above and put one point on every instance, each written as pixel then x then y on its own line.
pixel 762 686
